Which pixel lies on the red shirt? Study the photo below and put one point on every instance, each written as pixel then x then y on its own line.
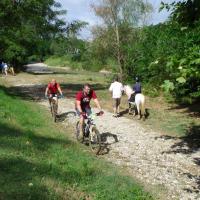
pixel 85 98
pixel 53 88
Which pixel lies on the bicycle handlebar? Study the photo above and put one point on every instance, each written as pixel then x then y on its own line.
pixel 58 96
pixel 91 116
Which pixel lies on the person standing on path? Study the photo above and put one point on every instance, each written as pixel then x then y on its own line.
pixel 116 88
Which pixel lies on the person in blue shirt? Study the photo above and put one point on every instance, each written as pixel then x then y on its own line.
pixel 1 65
pixel 137 88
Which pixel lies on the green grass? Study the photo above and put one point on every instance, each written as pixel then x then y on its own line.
pixel 62 61
pixel 39 161
pixel 92 66
pixel 168 122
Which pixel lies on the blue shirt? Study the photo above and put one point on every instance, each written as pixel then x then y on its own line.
pixel 137 88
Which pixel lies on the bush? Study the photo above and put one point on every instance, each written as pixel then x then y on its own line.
pixel 168 55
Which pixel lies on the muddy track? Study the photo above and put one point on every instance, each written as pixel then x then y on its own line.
pixel 162 162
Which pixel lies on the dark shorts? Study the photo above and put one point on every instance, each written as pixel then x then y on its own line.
pixel 88 111
pixel 116 102
pixel 53 95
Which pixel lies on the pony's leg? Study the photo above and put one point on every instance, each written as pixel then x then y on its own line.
pixel 129 108
pixel 142 110
pixel 134 110
pixel 138 110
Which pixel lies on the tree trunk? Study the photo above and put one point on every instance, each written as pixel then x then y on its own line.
pixel 118 52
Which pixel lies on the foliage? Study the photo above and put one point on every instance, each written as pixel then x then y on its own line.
pixel 168 86
pixel 118 16
pixel 185 12
pixel 27 28
pixel 167 52
pixel 74 27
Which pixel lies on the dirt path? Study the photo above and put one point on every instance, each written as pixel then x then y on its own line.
pixel 147 155
pixel 154 159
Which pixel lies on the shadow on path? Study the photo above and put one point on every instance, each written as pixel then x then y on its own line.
pixel 187 144
pixel 36 92
pixel 192 110
pixel 197 180
pixel 107 140
pixel 62 117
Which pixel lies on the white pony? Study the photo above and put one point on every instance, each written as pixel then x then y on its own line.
pixel 139 101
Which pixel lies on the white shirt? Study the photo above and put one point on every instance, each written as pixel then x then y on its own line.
pixel 5 66
pixel 116 88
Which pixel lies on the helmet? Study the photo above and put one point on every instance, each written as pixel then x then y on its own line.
pixel 136 79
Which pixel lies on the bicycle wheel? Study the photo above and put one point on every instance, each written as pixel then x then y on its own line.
pixel 95 141
pixel 51 106
pixel 77 132
pixel 54 113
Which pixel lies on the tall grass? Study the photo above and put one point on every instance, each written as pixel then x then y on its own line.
pixel 63 61
pixel 92 65
pixel 38 161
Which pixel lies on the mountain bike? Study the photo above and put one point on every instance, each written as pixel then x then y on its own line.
pixel 91 135
pixel 54 106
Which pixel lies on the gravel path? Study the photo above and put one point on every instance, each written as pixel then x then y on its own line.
pixel 147 155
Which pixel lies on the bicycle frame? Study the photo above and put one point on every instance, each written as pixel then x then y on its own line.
pixel 54 106
pixel 91 135
pixel 89 124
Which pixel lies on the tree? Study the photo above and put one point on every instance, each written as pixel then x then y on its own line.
pixel 185 12
pixel 27 28
pixel 74 27
pixel 68 43
pixel 118 14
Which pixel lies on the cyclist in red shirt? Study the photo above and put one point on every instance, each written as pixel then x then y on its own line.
pixel 82 104
pixel 52 90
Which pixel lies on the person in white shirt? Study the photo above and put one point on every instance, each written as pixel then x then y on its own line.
pixel 5 68
pixel 116 88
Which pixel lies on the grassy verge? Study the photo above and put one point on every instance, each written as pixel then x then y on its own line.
pixel 38 161
pixel 69 62
pixel 63 61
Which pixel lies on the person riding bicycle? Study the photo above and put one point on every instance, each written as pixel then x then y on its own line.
pixel 52 90
pixel 82 104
